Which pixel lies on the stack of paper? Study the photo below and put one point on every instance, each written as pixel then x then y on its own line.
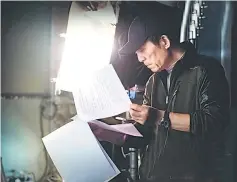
pixel 74 149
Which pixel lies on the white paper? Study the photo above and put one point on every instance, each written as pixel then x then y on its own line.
pixel 110 161
pixel 100 95
pixel 127 128
pixel 77 155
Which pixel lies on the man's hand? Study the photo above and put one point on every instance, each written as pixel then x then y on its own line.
pixel 180 122
pixel 139 113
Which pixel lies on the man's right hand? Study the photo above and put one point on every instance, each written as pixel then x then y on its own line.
pixel 140 113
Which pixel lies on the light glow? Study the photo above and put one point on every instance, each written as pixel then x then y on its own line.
pixel 88 46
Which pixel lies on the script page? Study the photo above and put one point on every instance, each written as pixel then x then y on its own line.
pixel 111 162
pixel 127 128
pixel 77 155
pixel 100 95
pixel 108 158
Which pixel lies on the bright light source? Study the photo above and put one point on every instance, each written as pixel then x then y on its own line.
pixel 88 45
pixel 62 35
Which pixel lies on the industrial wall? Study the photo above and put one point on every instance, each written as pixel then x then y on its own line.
pixel 28 63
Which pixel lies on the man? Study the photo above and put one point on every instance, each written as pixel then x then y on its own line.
pixel 185 108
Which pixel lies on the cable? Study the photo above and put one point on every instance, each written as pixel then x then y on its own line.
pixel 48 104
pixel 45 152
pixel 44 105
pixel 123 153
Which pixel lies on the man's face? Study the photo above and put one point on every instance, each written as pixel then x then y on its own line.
pixel 153 56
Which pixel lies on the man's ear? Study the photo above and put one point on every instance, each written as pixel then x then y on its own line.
pixel 165 41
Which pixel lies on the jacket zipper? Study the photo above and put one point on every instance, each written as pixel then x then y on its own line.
pixel 172 100
pixel 152 90
pixel 153 80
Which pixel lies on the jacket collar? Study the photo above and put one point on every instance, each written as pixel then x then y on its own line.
pixel 190 51
pixel 182 64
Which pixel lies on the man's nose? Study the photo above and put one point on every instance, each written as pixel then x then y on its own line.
pixel 141 59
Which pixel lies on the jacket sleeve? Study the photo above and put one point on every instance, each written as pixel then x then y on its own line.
pixel 214 101
pixel 146 129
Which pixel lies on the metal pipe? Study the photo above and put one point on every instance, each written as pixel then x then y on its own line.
pixel 133 158
pixel 226 38
pixel 184 24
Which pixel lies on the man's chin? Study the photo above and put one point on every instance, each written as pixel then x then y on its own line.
pixel 154 70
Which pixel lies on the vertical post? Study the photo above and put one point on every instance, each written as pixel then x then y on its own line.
pixel 133 158
pixel 184 25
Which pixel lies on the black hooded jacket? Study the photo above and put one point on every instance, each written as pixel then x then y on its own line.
pixel 198 87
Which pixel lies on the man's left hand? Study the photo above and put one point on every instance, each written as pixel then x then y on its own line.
pixel 139 113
